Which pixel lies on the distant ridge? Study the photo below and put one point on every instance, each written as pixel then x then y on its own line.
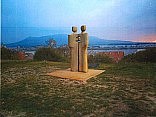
pixel 62 39
pixel 39 41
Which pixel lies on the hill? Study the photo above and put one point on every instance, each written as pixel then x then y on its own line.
pixel 61 39
pixel 37 41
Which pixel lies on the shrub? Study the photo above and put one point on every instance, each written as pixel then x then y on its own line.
pixel 49 54
pixel 7 54
pixel 98 58
pixel 148 55
pixel 65 52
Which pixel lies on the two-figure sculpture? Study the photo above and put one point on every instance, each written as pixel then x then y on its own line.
pixel 78 44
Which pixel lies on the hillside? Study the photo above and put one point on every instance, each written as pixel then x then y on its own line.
pixel 61 39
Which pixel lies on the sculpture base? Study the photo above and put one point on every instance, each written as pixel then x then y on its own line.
pixel 81 76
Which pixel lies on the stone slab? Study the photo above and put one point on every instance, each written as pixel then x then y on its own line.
pixel 81 76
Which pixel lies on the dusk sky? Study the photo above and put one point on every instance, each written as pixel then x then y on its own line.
pixel 133 20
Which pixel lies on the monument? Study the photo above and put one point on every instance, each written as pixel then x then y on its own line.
pixel 78 44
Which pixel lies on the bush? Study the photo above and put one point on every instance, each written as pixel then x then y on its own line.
pixel 65 52
pixel 98 58
pixel 49 54
pixel 7 54
pixel 148 55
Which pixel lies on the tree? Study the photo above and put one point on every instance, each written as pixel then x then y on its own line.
pixel 148 55
pixel 51 43
pixel 49 54
pixel 7 54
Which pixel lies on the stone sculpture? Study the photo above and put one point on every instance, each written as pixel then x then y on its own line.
pixel 78 44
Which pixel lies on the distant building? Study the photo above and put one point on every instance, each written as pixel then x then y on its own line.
pixel 21 55
pixel 25 56
pixel 115 55
pixel 29 56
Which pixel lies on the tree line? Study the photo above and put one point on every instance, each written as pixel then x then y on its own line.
pixel 54 53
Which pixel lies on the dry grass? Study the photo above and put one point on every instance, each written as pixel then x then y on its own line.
pixel 120 91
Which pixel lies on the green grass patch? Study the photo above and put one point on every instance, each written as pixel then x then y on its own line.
pixel 133 70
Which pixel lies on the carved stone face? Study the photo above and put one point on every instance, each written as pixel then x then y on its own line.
pixel 83 28
pixel 74 29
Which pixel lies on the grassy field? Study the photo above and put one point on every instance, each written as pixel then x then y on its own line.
pixel 127 90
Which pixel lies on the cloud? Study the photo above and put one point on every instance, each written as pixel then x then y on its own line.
pixel 147 38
